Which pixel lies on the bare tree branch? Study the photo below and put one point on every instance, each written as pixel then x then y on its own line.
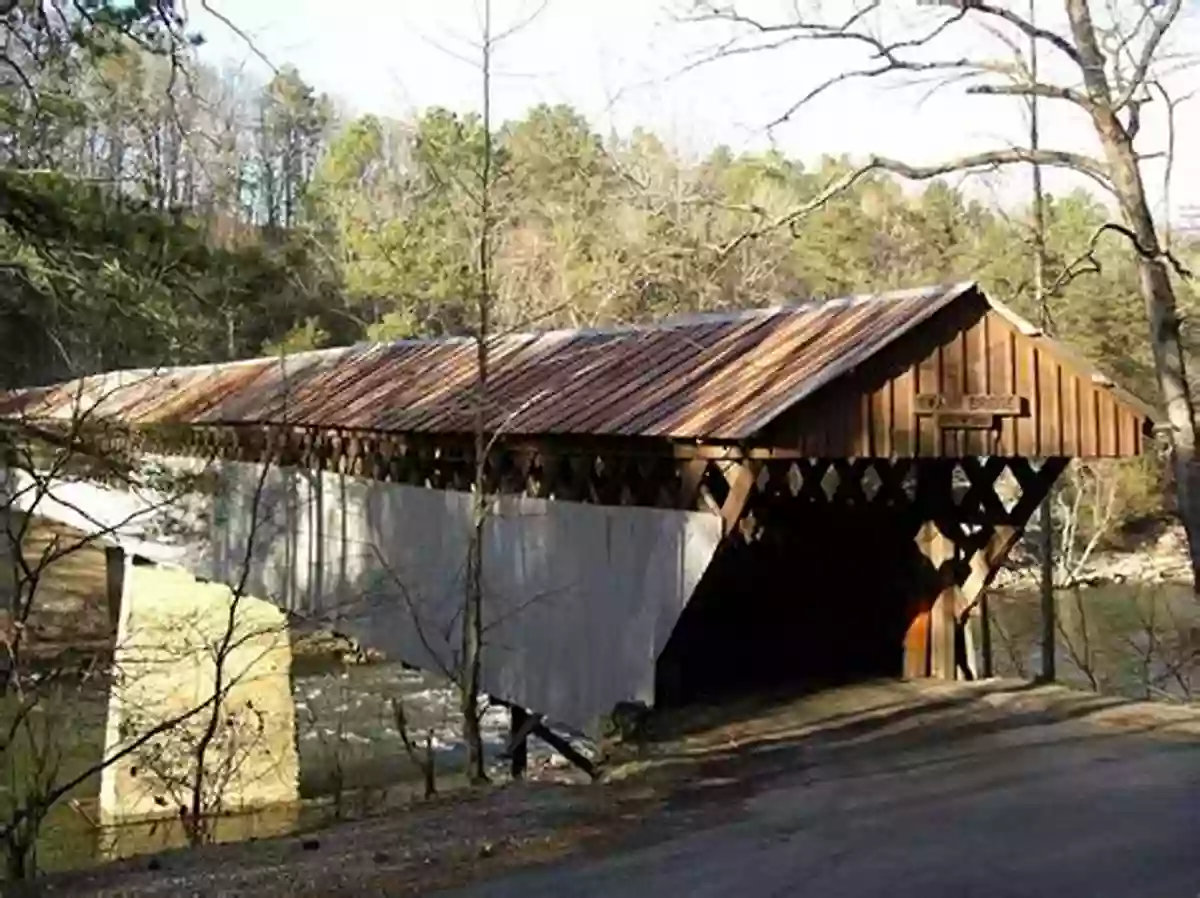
pixel 1028 28
pixel 246 39
pixel 1172 104
pixel 1088 263
pixel 1033 89
pixel 1090 56
pixel 1145 60
pixel 992 159
pixel 805 30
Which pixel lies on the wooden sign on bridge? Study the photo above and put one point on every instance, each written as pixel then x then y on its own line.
pixel 971 411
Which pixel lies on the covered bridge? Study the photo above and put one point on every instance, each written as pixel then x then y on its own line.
pixel 740 499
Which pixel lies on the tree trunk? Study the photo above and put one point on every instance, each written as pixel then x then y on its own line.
pixel 1170 366
pixel 472 648
pixel 15 863
pixel 472 635
pixel 1158 295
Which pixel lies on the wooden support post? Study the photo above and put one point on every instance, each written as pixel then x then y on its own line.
pixel 691 475
pixel 983 564
pixel 520 725
pixel 114 581
pixel 523 724
pixel 976 530
pixel 1048 672
pixel 1035 491
pixel 966 662
pixel 985 637
pixel 932 503
pixel 940 613
pixel 916 639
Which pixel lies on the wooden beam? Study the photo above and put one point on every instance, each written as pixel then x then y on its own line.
pixel 891 482
pixel 980 501
pixel 987 560
pixel 849 489
pixel 564 748
pixel 1035 485
pixel 964 651
pixel 741 478
pixel 985 637
pixel 812 474
pixel 707 502
pixel 663 466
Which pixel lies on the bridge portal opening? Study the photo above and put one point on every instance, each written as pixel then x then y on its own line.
pixel 815 597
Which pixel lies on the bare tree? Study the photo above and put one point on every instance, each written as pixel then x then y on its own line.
pixel 1114 59
pixel 472 624
pixel 421 754
pixel 1042 299
pixel 1086 509
pixel 1147 649
pixel 483 194
pixel 192 746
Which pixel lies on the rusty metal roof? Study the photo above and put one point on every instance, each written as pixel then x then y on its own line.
pixel 705 377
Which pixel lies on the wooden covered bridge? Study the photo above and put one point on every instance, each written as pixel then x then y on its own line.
pixel 805 491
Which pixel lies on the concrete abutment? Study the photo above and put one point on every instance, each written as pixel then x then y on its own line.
pixel 181 645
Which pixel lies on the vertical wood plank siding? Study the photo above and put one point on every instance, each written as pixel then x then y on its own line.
pixel 965 350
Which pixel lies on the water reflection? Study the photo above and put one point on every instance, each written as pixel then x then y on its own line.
pixel 1138 641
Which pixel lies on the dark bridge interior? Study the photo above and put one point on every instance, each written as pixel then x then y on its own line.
pixel 818 597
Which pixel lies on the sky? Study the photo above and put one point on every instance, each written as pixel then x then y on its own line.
pixel 626 63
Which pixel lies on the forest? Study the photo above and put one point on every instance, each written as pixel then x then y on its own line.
pixel 159 211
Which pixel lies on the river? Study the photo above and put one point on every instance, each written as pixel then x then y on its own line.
pixel 1138 641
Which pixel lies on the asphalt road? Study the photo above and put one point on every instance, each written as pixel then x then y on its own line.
pixel 1056 811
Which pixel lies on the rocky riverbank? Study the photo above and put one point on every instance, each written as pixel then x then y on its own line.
pixel 1163 559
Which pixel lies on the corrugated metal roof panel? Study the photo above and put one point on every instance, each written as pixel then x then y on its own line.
pixel 707 377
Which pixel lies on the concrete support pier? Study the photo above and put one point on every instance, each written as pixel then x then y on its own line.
pixel 180 642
